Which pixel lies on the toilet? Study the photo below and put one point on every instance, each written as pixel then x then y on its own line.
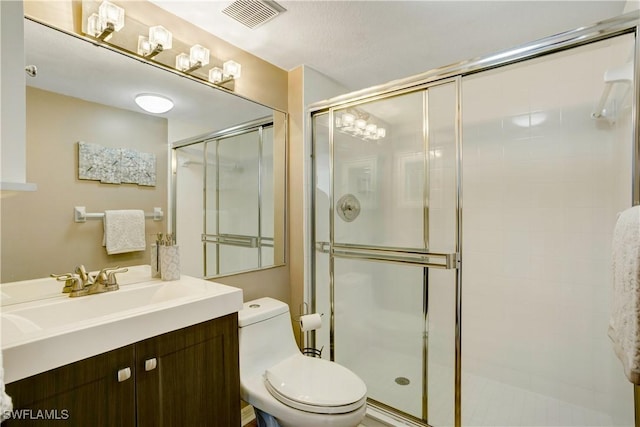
pixel 277 379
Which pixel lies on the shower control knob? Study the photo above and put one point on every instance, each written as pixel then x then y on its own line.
pixel 348 207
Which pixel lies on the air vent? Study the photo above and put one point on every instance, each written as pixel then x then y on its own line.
pixel 253 13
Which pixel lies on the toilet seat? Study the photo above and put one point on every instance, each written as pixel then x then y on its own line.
pixel 315 385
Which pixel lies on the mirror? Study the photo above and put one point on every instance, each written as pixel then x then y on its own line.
pixel 84 92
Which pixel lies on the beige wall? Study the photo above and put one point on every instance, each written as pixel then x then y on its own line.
pixel 261 81
pixel 38 234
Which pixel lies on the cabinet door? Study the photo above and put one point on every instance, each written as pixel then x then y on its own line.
pixel 190 377
pixel 84 393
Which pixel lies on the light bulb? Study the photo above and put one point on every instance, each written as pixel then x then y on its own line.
pixel 182 62
pixel 199 54
pixel 216 75
pixel 144 47
pixel 94 25
pixel 111 14
pixel 159 35
pixel 348 119
pixel 361 124
pixel 232 69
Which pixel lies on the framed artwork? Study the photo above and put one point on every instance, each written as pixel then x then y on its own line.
pixel 115 165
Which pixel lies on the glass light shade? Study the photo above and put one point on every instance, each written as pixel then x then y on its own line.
pixel 216 75
pixel 94 25
pixel 156 104
pixel 144 46
pixel 110 13
pixel 361 124
pixel 159 35
pixel 338 121
pixel 381 132
pixel 182 62
pixel 199 54
pixel 232 69
pixel 348 119
pixel 371 129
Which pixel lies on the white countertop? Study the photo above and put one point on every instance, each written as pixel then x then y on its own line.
pixel 44 334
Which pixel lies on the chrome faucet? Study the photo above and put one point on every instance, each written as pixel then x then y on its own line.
pixel 81 283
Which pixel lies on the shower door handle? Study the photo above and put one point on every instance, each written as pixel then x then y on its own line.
pixel 449 261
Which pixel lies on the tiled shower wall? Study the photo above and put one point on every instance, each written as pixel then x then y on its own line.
pixel 542 184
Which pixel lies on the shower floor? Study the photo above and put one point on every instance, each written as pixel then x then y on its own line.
pixel 485 402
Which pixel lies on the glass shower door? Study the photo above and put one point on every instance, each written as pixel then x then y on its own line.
pixel 543 184
pixel 388 267
pixel 232 204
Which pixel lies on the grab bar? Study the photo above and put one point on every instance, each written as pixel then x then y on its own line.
pixel 231 239
pixel 447 261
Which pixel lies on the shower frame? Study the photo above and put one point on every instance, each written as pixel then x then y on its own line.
pixel 258 241
pixel 628 23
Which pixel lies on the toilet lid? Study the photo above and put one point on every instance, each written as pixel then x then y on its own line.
pixel 315 385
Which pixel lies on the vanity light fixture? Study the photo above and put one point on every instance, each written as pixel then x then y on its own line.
pixel 159 39
pixel 198 57
pixel 109 18
pixel 360 125
pixel 230 70
pixel 152 103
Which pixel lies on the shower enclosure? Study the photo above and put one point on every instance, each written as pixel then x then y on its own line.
pixel 234 171
pixel 461 234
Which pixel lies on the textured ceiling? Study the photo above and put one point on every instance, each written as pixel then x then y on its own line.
pixel 365 43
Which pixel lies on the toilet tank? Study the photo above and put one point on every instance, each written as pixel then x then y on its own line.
pixel 265 335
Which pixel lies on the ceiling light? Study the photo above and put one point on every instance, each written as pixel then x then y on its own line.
pixel 109 18
pixel 152 103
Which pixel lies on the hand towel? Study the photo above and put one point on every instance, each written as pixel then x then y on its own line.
pixel 6 404
pixel 124 231
pixel 624 323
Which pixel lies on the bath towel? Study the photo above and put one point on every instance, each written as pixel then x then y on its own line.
pixel 624 323
pixel 124 231
pixel 6 405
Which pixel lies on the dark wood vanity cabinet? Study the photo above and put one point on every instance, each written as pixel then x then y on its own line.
pixel 188 377
pixel 84 393
pixel 196 381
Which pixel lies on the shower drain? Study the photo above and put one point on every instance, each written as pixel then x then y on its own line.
pixel 402 381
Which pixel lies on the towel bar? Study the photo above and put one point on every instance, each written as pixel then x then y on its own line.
pixel 80 214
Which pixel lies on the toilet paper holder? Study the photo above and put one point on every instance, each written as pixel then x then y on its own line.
pixel 313 322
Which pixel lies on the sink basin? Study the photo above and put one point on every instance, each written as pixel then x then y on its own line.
pixel 47 287
pixel 44 334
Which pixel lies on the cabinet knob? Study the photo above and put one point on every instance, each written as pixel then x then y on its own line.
pixel 124 374
pixel 150 364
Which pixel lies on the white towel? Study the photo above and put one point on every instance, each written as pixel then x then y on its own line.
pixel 624 323
pixel 124 231
pixel 6 404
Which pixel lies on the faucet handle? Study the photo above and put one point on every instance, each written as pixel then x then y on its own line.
pixel 61 277
pixel 82 272
pixel 72 282
pixel 109 275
